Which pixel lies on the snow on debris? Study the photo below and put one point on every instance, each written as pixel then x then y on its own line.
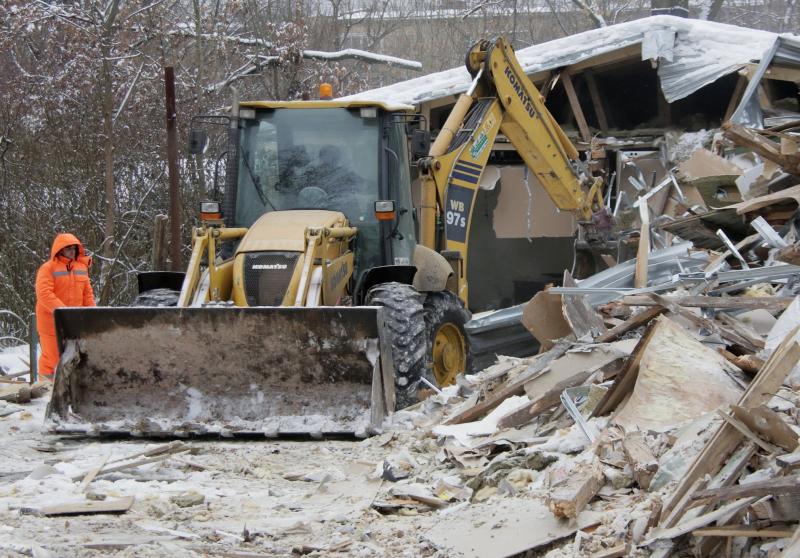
pixel 14 360
pixel 702 52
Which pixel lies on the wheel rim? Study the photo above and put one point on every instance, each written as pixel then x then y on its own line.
pixel 449 354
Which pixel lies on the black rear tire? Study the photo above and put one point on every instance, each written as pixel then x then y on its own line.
pixel 448 344
pixel 404 318
pixel 157 297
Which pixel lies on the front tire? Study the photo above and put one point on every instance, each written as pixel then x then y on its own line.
pixel 404 319
pixel 448 344
pixel 157 298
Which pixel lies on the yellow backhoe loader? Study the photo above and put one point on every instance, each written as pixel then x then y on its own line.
pixel 317 299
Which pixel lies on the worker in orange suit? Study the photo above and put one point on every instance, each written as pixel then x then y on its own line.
pixel 61 281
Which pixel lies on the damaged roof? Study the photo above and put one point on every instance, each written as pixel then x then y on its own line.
pixel 691 54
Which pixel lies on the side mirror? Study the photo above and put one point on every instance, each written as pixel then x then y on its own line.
pixel 198 139
pixel 420 144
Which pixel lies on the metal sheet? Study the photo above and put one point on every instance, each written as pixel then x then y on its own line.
pixel 785 51
pixel 499 333
pixel 662 267
pixel 703 52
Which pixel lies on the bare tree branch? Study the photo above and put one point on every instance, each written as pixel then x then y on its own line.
pixel 595 16
pixel 355 54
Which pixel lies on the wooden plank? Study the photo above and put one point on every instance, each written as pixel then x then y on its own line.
pixel 764 96
pixel 568 499
pixel 727 438
pixel 575 104
pixel 705 546
pixel 609 260
pixel 768 424
pixel 23 392
pixel 713 327
pixel 517 387
pixel 764 147
pixel 637 320
pixel 780 508
pixel 643 251
pixel 642 461
pixel 552 397
pixel 608 58
pixel 742 330
pixel 744 430
pixel 733 467
pixel 772 303
pixel 700 521
pixel 156 454
pixel 383 399
pixel 121 505
pixel 789 461
pixel 92 473
pixel 120 542
pixel 167 448
pixel 672 517
pixel 789 254
pixel 625 381
pixel 743 531
pixel 597 101
pixel 735 96
pixel 782 73
pixel 618 551
pixel 749 363
pixel 771 487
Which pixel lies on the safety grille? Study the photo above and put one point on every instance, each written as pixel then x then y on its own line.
pixel 267 276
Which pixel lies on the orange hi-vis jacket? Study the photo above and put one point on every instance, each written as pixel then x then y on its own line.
pixel 60 282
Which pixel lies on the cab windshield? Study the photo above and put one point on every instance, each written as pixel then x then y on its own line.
pixel 309 159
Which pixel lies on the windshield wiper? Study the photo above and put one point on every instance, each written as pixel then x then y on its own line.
pixel 257 183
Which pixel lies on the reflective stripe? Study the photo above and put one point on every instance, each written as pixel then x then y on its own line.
pixel 75 271
pixel 80 272
pixel 465 177
pixel 60 273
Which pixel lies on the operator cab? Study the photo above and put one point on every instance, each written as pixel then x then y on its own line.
pixel 329 156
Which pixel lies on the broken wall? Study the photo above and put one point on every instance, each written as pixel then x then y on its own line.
pixel 505 265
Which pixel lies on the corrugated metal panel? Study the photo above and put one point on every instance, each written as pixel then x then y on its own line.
pixel 784 51
pixel 788 52
pixel 703 51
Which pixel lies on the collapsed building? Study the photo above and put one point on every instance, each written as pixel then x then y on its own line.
pixel 637 99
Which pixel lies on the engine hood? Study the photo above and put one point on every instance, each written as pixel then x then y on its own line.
pixel 285 230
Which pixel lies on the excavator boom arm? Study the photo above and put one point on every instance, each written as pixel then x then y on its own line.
pixel 503 100
pixel 533 131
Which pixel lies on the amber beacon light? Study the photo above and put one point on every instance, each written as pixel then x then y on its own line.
pixel 325 91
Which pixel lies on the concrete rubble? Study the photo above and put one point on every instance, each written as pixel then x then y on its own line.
pixel 660 418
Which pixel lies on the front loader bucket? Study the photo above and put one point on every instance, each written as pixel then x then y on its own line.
pixel 227 371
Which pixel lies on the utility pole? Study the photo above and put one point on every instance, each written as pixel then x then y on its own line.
pixel 172 165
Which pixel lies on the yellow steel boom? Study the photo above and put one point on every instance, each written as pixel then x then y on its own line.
pixel 503 100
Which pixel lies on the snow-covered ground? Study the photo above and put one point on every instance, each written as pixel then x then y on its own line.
pixel 14 360
pixel 262 497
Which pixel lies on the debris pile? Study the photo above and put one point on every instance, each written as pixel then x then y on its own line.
pixel 661 415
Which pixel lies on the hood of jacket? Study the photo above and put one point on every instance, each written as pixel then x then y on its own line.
pixel 68 239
